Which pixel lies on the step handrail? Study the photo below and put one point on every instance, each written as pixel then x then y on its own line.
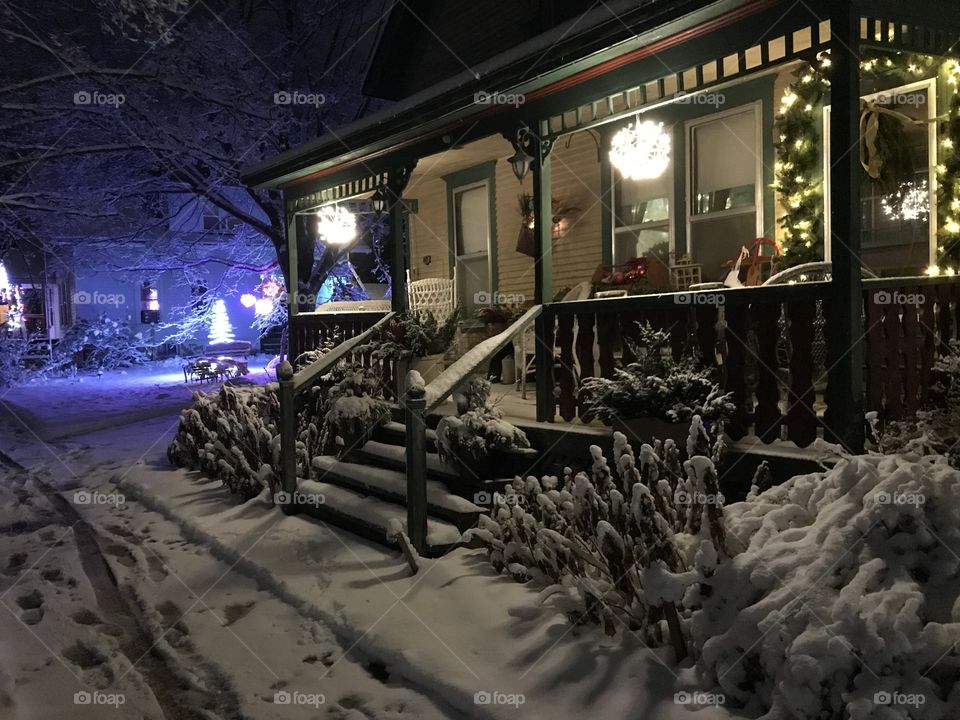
pixel 306 376
pixel 443 386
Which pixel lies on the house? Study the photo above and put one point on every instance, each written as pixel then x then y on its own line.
pixel 719 143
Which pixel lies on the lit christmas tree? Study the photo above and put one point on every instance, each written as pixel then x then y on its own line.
pixel 221 331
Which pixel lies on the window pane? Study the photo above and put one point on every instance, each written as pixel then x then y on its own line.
pixel 653 244
pixel 725 162
pixel 473 282
pixel 472 220
pixel 641 201
pixel 717 241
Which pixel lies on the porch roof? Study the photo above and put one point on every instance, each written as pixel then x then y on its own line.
pixel 447 109
pixel 604 40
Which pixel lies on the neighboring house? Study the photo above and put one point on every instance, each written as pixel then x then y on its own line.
pixel 747 124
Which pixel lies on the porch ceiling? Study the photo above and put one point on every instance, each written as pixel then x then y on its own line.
pixel 493 147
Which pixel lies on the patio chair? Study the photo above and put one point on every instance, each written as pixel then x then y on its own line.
pixel 438 295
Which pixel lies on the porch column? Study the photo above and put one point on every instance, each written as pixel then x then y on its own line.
pixel 293 284
pixel 399 242
pixel 845 402
pixel 542 219
pixel 539 150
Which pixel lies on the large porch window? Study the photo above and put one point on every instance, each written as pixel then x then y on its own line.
pixel 471 224
pixel 898 220
pixel 641 217
pixel 724 182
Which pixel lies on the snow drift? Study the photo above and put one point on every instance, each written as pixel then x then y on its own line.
pixel 841 599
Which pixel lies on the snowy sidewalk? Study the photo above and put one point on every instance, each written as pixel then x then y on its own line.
pixel 455 630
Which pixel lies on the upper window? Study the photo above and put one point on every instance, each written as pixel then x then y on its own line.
pixel 642 212
pixel 725 154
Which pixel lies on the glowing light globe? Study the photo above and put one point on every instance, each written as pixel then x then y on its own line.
pixel 248 300
pixel 337 225
pixel 263 306
pixel 641 151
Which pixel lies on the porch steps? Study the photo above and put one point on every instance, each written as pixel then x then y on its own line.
pixel 391 486
pixel 370 517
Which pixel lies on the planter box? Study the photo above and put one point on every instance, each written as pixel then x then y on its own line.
pixel 429 366
pixel 497 464
pixel 647 429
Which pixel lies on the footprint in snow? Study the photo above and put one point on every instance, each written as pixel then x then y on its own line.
pixel 85 617
pixel 32 617
pixel 84 656
pixel 122 554
pixel 15 564
pixel 31 600
pixel 232 613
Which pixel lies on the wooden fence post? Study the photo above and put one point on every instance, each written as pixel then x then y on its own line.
pixel 414 406
pixel 288 434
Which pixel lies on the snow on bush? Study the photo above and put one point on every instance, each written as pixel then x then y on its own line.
pixel 842 599
pixel 479 427
pixel 101 344
pixel 231 434
pixel 14 355
pixel 657 385
pixel 602 543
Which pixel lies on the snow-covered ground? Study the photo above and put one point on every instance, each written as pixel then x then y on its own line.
pixel 234 605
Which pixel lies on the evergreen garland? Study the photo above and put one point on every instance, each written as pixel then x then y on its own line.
pixel 799 148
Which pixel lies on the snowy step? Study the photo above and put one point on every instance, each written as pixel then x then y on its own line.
pixel 375 453
pixel 367 516
pixel 395 433
pixel 391 485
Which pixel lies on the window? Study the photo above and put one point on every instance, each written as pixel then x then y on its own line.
pixel 149 304
pixel 471 225
pixel 898 223
pixel 725 162
pixel 641 220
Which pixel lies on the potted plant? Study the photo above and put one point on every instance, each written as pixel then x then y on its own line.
pixel 416 340
pixel 497 317
pixel 478 441
pixel 656 395
pixel 352 408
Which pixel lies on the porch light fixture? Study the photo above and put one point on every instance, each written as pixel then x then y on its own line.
pixel 520 162
pixel 641 151
pixel 379 200
pixel 337 225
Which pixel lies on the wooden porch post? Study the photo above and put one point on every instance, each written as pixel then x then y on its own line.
pixel 845 403
pixel 399 244
pixel 540 149
pixel 293 286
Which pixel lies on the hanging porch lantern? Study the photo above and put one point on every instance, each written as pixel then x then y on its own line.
pixel 641 151
pixel 520 162
pixel 336 225
pixel 379 200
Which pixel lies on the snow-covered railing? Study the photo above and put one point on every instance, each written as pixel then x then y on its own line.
pixel 308 375
pixel 448 381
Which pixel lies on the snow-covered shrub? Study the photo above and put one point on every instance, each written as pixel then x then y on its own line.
pixel 410 335
pixel 657 385
pixel 103 343
pixel 603 543
pixel 934 430
pixel 14 352
pixel 479 428
pixel 350 402
pixel 231 434
pixel 842 599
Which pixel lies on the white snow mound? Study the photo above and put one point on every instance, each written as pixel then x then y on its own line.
pixel 842 598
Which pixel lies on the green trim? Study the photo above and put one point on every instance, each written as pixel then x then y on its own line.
pixel 677 115
pixel 484 172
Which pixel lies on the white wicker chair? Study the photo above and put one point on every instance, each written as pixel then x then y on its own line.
pixel 438 295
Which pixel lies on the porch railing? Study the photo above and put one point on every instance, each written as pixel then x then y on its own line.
pixel 769 345
pixel 310 331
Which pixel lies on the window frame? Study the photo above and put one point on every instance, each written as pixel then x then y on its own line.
pixel 932 156
pixel 669 223
pixel 692 218
pixel 455 244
